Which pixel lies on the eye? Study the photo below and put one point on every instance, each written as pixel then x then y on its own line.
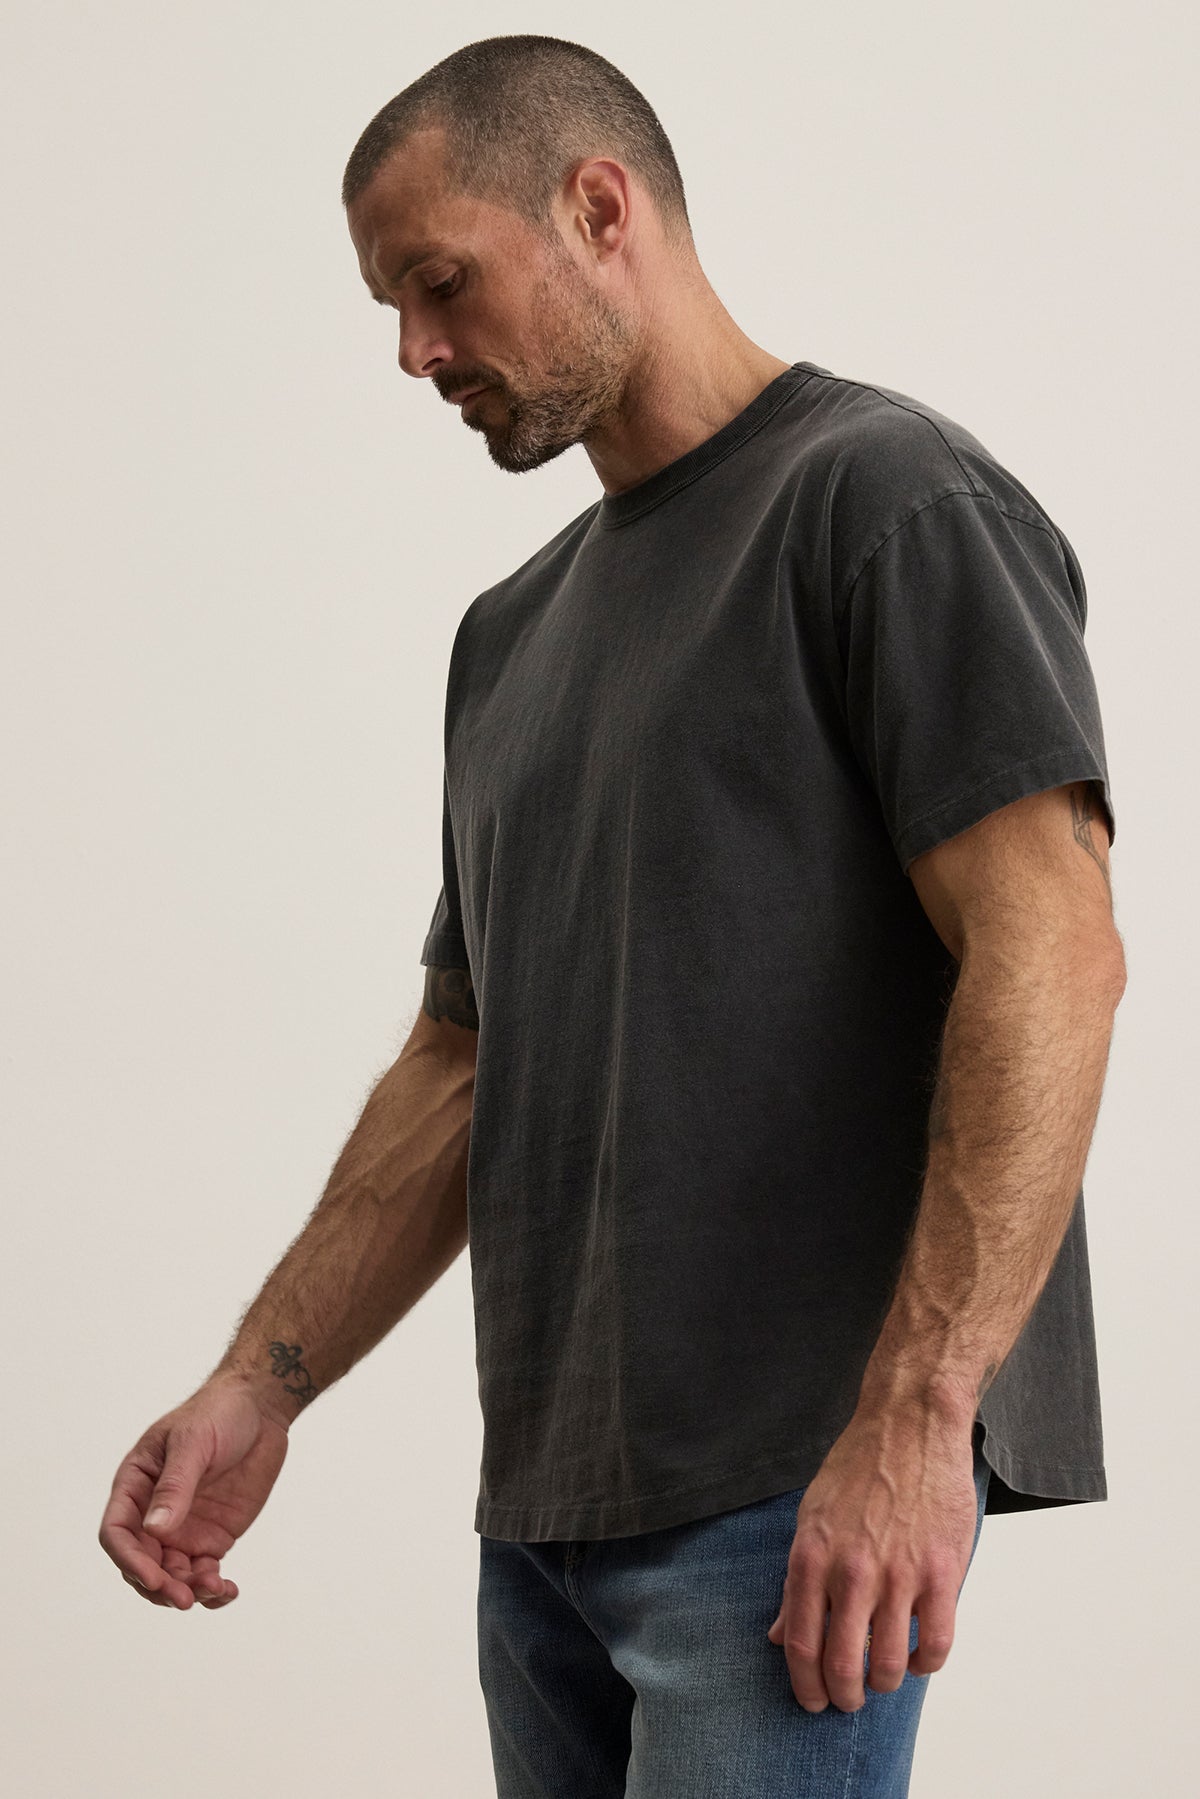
pixel 445 289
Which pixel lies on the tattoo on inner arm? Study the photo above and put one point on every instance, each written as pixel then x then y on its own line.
pixel 450 993
pixel 286 1357
pixel 1082 813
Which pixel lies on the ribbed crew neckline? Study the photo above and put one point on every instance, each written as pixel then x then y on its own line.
pixel 619 508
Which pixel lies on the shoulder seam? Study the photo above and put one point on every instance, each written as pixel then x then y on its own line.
pixel 916 413
pixel 950 493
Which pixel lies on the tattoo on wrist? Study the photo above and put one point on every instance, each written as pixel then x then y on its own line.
pixel 286 1357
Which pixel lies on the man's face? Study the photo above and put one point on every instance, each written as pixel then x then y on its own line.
pixel 491 304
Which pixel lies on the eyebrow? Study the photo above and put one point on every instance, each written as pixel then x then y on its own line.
pixel 424 253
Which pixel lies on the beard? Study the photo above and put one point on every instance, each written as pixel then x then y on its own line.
pixel 587 351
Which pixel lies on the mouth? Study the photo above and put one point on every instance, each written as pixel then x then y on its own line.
pixel 464 399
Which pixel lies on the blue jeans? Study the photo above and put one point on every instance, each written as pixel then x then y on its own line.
pixel 639 1667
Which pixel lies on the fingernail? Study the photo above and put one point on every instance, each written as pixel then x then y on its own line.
pixel 158 1516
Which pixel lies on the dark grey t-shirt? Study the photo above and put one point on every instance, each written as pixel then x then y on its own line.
pixel 691 746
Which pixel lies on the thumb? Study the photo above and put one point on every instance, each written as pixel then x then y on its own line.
pixel 171 1500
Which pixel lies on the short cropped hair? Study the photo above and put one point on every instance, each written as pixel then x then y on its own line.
pixel 519 113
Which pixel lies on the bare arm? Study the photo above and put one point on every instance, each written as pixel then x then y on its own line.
pixel 390 1222
pixel 1018 1089
pixel 884 1530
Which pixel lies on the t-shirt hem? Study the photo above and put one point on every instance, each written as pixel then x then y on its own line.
pixel 595 1520
pixel 1042 1480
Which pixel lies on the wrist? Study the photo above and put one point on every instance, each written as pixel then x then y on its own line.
pixel 263 1388
pixel 887 1393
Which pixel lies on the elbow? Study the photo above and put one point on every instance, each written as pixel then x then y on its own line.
pixel 1118 973
pixel 1105 964
pixel 1111 956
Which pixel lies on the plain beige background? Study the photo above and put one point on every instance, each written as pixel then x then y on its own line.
pixel 239 542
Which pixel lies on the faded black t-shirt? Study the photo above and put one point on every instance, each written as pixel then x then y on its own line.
pixel 691 746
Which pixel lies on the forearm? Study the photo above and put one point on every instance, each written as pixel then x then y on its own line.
pixel 1018 1088
pixel 391 1220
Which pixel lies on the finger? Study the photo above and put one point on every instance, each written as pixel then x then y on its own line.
pixel 176 1584
pixel 121 1523
pixel 843 1664
pixel 128 1551
pixel 188 1453
pixel 177 1595
pixel 168 1593
pixel 140 1586
pixel 214 1602
pixel 935 1628
pixel 132 1485
pixel 153 1595
pixel 121 1534
pixel 141 1466
pixel 140 1564
pixel 887 1648
pixel 205 1578
pixel 804 1643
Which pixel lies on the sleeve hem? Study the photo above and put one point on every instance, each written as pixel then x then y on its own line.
pixel 1035 774
pixel 443 949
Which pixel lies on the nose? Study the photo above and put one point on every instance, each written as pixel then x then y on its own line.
pixel 420 354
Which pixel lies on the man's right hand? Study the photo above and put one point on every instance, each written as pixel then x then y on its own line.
pixel 211 1463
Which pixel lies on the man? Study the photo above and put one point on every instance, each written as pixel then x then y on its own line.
pixel 770 988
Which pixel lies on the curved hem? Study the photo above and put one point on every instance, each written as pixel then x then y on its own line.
pixel 1036 1483
pixel 1030 1486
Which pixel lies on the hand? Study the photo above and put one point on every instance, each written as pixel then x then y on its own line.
pixel 212 1463
pixel 884 1530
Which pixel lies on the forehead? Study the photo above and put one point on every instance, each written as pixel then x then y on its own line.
pixel 405 214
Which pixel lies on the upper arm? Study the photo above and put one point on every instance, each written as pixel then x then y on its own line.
pixel 448 1017
pixel 1037 869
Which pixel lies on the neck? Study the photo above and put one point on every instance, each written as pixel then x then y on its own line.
pixel 696 370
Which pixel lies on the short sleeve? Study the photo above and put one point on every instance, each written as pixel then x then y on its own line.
pixel 445 945
pixel 967 682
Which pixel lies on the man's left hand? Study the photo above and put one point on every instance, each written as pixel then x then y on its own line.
pixel 884 1531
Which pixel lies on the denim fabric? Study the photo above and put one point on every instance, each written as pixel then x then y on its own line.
pixel 640 1668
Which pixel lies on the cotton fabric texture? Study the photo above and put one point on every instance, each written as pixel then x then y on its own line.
pixel 692 745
